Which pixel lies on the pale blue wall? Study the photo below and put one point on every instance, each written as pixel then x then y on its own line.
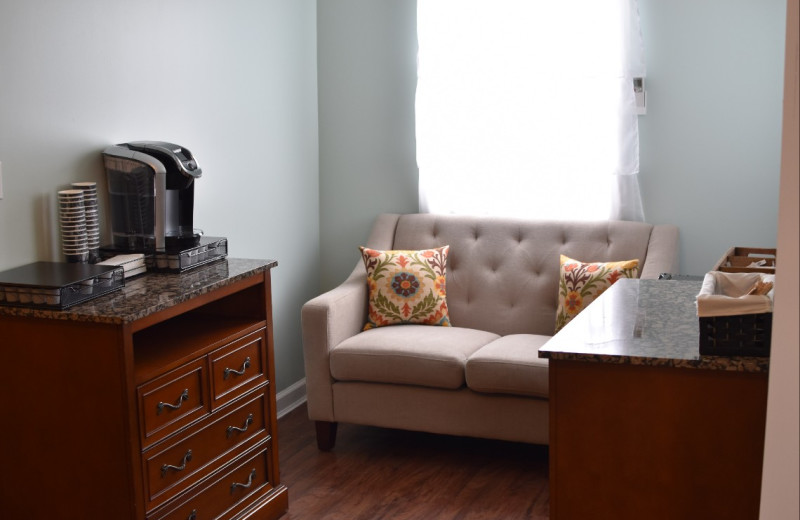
pixel 710 143
pixel 367 51
pixel 235 82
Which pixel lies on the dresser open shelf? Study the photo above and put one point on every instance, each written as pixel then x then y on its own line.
pixel 156 402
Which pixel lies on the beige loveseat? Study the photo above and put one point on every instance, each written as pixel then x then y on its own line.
pixel 482 376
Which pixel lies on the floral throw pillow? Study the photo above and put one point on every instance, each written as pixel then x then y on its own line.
pixel 406 287
pixel 580 283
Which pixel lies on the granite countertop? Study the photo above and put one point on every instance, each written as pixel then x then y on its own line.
pixel 152 292
pixel 643 322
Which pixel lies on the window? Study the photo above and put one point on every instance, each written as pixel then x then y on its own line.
pixel 526 108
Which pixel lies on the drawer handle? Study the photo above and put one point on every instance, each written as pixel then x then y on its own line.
pixel 245 486
pixel 192 515
pixel 166 467
pixel 183 397
pixel 247 423
pixel 229 371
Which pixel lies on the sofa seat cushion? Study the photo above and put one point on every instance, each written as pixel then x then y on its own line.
pixel 510 365
pixel 408 354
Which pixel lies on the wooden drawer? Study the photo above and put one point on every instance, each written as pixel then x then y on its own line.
pixel 173 469
pixel 237 367
pixel 235 488
pixel 172 401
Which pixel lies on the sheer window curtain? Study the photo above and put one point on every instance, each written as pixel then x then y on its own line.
pixel 526 108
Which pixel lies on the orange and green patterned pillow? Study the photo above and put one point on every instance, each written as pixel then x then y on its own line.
pixel 580 283
pixel 406 287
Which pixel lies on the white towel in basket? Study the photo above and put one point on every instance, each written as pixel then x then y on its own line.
pixel 725 294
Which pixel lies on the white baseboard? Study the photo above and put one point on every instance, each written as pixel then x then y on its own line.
pixel 291 397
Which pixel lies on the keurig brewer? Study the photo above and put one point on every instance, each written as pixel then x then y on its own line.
pixel 151 190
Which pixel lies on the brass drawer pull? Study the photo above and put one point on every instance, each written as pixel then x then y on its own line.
pixel 166 467
pixel 192 515
pixel 183 397
pixel 229 371
pixel 247 423
pixel 245 486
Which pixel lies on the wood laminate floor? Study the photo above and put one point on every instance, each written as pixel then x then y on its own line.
pixel 375 473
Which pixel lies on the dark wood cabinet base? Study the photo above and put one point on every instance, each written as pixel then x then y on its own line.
pixel 633 442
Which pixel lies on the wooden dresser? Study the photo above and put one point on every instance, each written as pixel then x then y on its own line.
pixel 154 402
pixel 642 425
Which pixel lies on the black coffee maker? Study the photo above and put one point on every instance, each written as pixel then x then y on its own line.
pixel 151 190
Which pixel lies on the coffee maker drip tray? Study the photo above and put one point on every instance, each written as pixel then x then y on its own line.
pixel 208 249
pixel 182 242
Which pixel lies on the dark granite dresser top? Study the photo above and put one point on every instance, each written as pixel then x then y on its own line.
pixel 152 292
pixel 643 322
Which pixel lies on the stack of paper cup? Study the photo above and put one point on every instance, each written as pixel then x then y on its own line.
pixel 72 215
pixel 89 190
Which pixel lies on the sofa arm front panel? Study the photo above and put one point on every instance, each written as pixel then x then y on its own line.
pixel 334 316
pixel 327 320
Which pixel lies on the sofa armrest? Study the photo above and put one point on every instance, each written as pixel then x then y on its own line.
pixel 326 321
pixel 662 251
pixel 334 316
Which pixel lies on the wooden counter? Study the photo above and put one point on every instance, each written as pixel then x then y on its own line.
pixel 641 425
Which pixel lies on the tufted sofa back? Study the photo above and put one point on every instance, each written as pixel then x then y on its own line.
pixel 502 274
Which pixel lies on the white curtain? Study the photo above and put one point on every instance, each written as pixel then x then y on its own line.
pixel 526 108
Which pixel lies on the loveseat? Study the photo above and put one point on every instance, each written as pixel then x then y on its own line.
pixel 481 376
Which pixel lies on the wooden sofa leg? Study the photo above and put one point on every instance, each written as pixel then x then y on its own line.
pixel 326 435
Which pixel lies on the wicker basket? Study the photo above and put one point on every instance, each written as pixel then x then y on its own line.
pixel 738 260
pixel 743 335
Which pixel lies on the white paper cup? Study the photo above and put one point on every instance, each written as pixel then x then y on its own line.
pixel 70 193
pixel 72 216
pixel 76 255
pixel 72 242
pixel 73 229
